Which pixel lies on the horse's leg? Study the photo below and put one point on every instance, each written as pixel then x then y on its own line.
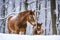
pixel 34 31
pixel 8 24
pixel 9 30
pixel 25 26
pixel 16 29
pixel 25 32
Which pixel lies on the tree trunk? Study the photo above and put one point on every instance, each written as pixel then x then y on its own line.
pixel 3 16
pixel 53 15
pixel 26 4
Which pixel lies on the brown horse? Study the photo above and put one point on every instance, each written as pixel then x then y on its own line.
pixel 17 24
pixel 37 30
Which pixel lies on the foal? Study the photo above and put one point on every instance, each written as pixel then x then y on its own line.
pixel 38 30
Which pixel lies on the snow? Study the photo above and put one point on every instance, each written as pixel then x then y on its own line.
pixel 28 37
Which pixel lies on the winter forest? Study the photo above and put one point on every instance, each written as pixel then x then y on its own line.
pixel 46 11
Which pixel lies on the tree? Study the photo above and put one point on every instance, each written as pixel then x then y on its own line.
pixel 26 4
pixel 53 6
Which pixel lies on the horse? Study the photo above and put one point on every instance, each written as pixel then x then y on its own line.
pixel 37 30
pixel 17 24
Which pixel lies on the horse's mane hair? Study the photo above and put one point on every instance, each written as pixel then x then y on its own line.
pixel 24 12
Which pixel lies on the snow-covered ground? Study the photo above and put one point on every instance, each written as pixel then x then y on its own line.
pixel 28 37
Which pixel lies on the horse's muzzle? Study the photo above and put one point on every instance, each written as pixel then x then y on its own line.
pixel 34 25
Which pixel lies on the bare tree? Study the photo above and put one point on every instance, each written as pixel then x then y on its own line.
pixel 26 4
pixel 53 15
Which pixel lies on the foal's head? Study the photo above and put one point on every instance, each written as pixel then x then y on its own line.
pixel 39 25
pixel 30 17
pixel 38 30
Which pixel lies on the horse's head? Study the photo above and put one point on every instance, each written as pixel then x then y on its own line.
pixel 30 17
pixel 27 15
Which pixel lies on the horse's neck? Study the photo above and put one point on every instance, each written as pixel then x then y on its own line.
pixel 21 19
pixel 22 16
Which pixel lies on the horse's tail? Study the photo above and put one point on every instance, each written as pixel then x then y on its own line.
pixel 9 18
pixel 8 23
